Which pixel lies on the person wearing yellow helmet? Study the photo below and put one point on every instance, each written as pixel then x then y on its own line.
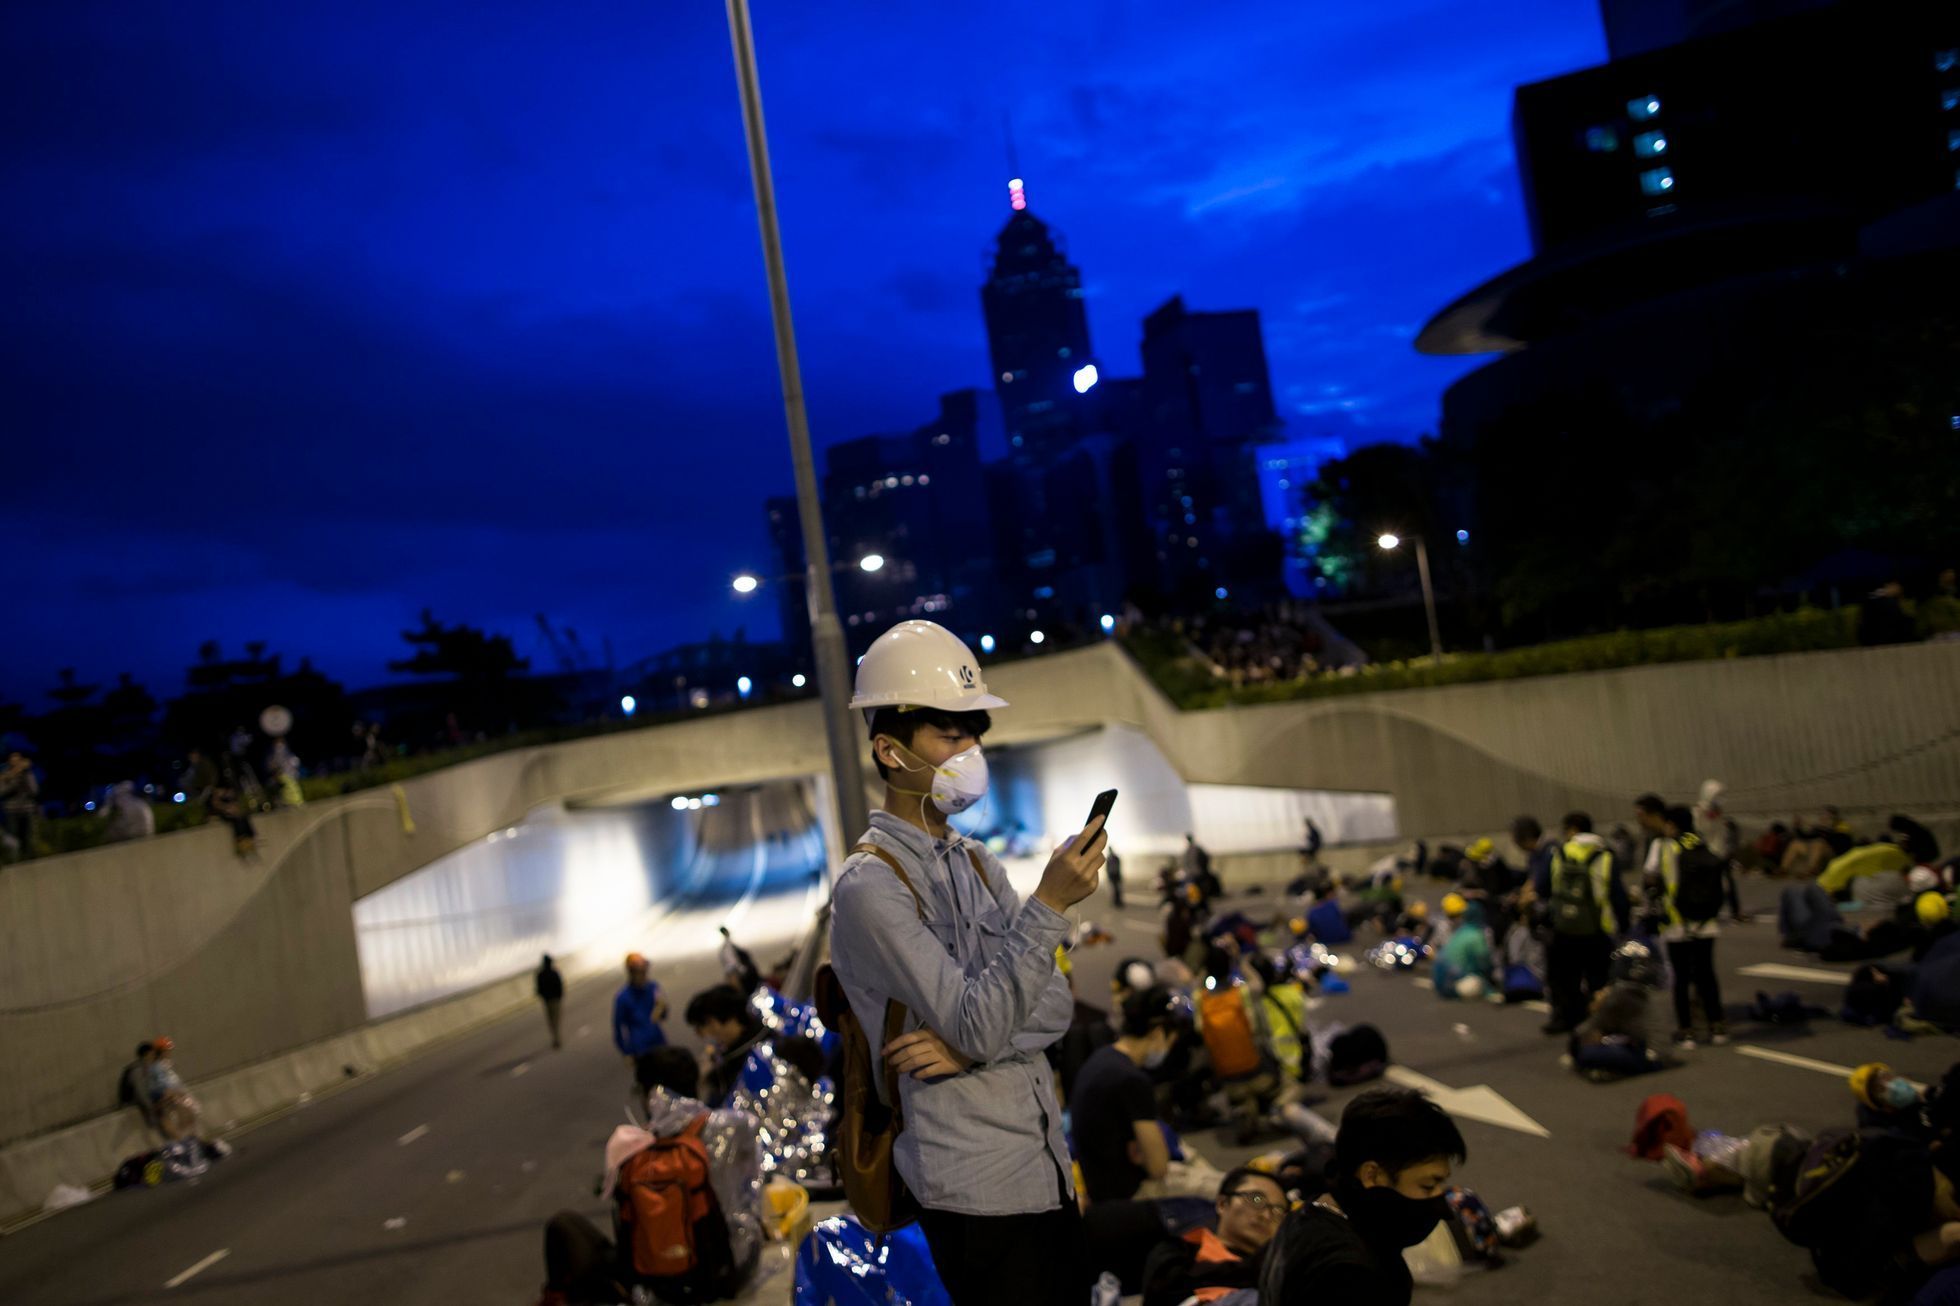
pixel 929 937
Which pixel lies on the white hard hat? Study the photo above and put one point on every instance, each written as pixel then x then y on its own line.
pixel 921 664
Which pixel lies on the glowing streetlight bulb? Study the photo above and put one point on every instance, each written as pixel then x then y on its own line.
pixel 1035 637
pixel 1389 541
pixel 872 562
pixel 1085 378
pixel 797 680
pixel 629 705
pixel 745 584
pixel 986 643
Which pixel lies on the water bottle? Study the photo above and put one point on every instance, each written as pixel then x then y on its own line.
pixel 1108 1290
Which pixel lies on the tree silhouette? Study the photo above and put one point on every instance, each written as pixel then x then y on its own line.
pixel 461 652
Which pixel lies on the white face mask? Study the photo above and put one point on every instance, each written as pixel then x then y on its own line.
pixel 957 783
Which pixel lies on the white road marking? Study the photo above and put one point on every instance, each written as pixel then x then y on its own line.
pixel 519 1069
pixel 1422 982
pixel 200 1267
pixel 1536 1004
pixel 1479 1102
pixel 1777 970
pixel 412 1135
pixel 1791 1059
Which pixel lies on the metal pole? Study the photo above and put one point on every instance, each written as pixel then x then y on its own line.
pixel 826 632
pixel 1429 600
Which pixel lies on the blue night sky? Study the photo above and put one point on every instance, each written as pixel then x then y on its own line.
pixel 320 314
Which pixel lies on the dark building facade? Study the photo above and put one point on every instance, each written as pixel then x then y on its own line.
pixel 1037 335
pixel 1740 240
pixel 1207 408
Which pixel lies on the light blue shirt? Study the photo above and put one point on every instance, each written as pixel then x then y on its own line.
pixel 980 972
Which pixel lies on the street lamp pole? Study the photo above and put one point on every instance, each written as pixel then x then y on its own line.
pixel 1429 600
pixel 826 631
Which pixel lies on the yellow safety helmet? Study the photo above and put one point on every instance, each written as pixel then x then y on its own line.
pixel 1453 904
pixel 1861 1080
pixel 1479 850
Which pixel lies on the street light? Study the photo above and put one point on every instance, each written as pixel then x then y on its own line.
pixel 746 584
pixel 1389 541
pixel 1035 637
pixel 826 631
pixel 986 643
pixel 871 562
pixel 797 680
pixel 629 705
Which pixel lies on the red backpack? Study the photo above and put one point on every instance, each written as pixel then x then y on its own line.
pixel 671 1229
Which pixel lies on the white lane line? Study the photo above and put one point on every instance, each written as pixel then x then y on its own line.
pixel 1791 1059
pixel 201 1266
pixel 519 1069
pixel 1777 970
pixel 1534 1004
pixel 1422 983
pixel 412 1135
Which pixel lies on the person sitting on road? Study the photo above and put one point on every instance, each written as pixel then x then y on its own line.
pixel 1280 1020
pixel 1113 1114
pixel 728 1025
pixel 177 1113
pixel 1616 1038
pixel 1462 968
pixel 1204 1264
pixel 638 1009
pixel 1392 1159
pixel 717 1170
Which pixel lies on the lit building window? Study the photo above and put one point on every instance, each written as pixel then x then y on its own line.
pixel 1649 144
pixel 1657 181
pixel 1602 140
pixel 1642 108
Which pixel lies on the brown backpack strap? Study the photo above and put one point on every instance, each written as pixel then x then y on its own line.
pixel 895 1012
pixel 898 870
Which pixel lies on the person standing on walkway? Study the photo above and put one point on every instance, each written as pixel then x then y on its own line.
pixel 638 1009
pixel 20 801
pixel 1692 873
pixel 1585 911
pixel 924 917
pixel 1113 868
pixel 551 991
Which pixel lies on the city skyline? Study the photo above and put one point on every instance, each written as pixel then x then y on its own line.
pixel 316 339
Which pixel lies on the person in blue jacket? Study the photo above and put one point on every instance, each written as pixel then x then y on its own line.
pixel 638 1009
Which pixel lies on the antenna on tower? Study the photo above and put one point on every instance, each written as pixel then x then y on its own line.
pixel 1017 191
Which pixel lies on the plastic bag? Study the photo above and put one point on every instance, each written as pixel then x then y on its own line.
pixel 842 1263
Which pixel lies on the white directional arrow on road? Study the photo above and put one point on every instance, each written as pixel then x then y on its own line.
pixel 1481 1102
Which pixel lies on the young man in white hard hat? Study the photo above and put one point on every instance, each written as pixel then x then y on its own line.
pixel 982 1149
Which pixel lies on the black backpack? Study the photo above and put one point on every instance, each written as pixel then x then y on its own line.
pixel 1698 882
pixel 1356 1056
pixel 1575 908
pixel 1852 1193
pixel 128 1093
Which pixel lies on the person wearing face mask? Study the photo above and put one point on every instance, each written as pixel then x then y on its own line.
pixel 1392 1160
pixel 924 918
pixel 1114 1111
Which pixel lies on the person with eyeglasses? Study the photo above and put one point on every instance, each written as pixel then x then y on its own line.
pixel 1206 1264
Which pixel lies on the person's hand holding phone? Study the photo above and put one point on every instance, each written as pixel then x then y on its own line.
pixel 1076 867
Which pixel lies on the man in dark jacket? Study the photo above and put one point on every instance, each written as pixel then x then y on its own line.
pixel 551 991
pixel 1207 1264
pixel 722 1018
pixel 1392 1160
